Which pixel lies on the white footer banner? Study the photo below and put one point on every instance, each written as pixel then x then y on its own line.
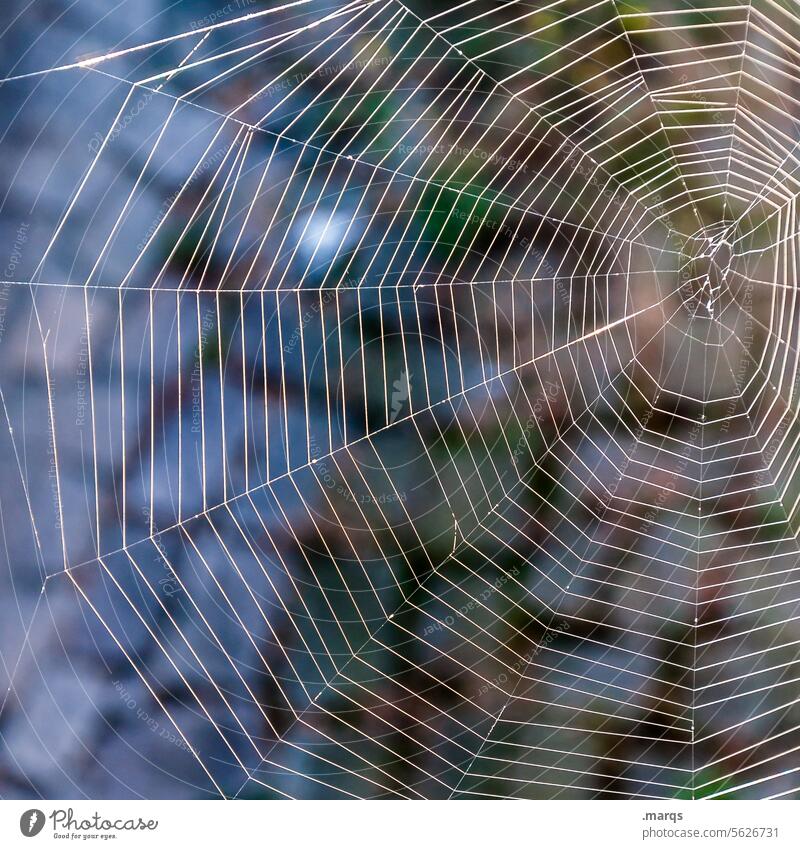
pixel 422 825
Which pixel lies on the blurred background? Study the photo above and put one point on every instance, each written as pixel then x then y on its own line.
pixel 399 400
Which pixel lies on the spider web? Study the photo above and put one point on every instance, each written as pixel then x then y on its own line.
pixel 438 433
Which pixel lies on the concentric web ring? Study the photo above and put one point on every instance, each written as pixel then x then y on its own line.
pixel 417 411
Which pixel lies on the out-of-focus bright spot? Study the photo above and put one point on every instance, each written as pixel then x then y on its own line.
pixel 322 233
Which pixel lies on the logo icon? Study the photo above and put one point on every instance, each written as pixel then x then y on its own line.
pixel 402 389
pixel 31 822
